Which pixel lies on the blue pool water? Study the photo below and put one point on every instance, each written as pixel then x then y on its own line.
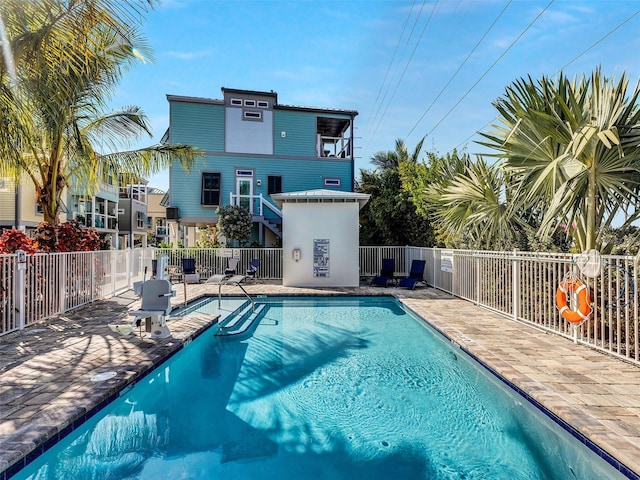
pixel 325 388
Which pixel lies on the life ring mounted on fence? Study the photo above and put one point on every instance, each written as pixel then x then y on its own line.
pixel 573 286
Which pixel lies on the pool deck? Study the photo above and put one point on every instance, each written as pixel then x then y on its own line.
pixel 46 371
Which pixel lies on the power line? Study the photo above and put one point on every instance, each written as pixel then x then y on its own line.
pixel 563 67
pixel 375 107
pixel 406 67
pixel 491 67
pixel 600 40
pixel 459 68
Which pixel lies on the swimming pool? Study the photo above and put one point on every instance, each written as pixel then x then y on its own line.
pixel 326 388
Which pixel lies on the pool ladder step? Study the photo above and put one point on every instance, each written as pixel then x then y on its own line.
pixel 243 322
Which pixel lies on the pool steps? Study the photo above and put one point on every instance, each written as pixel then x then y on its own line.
pixel 242 322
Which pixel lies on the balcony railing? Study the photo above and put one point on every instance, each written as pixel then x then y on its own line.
pixel 336 147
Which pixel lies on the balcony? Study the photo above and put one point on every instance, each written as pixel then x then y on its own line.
pixel 334 138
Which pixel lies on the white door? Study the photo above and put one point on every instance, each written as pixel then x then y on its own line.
pixel 244 191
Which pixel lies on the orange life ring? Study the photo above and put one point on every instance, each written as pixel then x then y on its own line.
pixel 583 310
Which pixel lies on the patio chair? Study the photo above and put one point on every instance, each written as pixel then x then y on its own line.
pixel 252 271
pixel 189 271
pixel 416 275
pixel 229 271
pixel 232 264
pixel 386 273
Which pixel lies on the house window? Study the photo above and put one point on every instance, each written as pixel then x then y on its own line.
pixel 332 182
pixel 210 193
pixel 263 104
pixel 252 115
pixel 236 101
pixel 249 103
pixel 140 219
pixel 274 184
pixel 244 173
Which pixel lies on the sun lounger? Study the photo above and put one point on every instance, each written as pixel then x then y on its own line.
pixel 416 275
pixel 386 273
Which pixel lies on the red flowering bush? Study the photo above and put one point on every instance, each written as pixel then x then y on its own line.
pixel 44 240
pixel 70 237
pixel 91 240
pixel 12 240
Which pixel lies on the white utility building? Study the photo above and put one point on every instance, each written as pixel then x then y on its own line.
pixel 320 242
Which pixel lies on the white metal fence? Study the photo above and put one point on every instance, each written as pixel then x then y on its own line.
pixel 44 285
pixel 520 285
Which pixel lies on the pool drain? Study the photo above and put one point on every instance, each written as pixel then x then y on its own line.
pixel 101 377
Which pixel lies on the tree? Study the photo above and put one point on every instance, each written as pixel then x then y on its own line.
pixel 63 61
pixel 234 223
pixel 390 218
pixel 570 150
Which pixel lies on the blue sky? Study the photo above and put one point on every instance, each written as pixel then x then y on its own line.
pixel 409 68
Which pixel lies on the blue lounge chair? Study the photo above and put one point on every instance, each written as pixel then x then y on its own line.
pixel 252 271
pixel 189 271
pixel 386 273
pixel 416 275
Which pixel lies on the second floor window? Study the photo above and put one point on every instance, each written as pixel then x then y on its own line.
pixel 274 184
pixel 210 194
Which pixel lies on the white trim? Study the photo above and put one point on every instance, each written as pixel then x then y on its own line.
pixel 249 103
pixel 332 182
pixel 253 115
pixel 236 102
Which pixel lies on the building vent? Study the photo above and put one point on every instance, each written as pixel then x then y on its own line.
pixel 172 213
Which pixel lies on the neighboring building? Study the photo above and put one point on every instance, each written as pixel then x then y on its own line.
pixel 99 211
pixel 157 216
pixel 255 148
pixel 132 215
pixel 19 207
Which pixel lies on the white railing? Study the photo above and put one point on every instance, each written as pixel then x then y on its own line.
pixel 256 204
pixel 520 285
pixel 211 261
pixel 45 285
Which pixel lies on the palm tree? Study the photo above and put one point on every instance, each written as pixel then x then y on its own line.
pixel 391 159
pixel 470 205
pixel 571 150
pixel 61 61
pixel 390 218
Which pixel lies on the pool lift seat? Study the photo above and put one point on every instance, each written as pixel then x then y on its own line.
pixel 156 305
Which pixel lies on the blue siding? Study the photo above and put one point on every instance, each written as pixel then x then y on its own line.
pixel 297 175
pixel 300 129
pixel 203 125
pixel 198 124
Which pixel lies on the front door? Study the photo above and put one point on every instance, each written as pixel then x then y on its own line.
pixel 244 190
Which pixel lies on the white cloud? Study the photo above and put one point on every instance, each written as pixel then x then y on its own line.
pixel 189 55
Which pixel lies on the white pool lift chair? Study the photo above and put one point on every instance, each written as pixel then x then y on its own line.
pixel 156 305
